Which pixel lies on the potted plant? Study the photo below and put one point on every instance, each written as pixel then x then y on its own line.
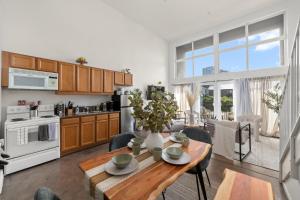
pixel 153 116
pixel 81 60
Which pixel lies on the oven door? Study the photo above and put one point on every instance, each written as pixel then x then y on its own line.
pixel 24 140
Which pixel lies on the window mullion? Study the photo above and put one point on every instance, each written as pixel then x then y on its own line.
pixel 247 48
pixel 216 53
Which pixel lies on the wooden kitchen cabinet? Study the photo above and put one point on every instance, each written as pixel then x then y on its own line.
pixel 67 77
pixel 96 80
pixel 128 79
pixel 46 65
pixel 102 128
pixel 83 79
pixel 87 131
pixel 119 78
pixel 114 124
pixel 70 135
pixel 21 61
pixel 108 80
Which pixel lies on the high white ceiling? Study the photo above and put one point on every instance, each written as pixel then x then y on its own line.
pixel 172 19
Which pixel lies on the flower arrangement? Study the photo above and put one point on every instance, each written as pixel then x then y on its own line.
pixel 81 60
pixel 192 95
pixel 157 113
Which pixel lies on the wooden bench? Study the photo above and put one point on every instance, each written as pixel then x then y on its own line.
pixel 236 186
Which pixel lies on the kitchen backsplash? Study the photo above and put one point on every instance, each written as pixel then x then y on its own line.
pixel 11 97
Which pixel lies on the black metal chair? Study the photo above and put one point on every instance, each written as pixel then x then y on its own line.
pixel 120 141
pixel 201 135
pixel 44 193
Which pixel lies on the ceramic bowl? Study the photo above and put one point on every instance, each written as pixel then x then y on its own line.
pixel 174 152
pixel 179 136
pixel 121 161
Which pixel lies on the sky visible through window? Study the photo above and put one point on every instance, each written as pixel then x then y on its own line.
pixel 260 56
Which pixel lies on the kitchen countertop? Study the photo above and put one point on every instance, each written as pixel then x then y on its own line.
pixel 87 114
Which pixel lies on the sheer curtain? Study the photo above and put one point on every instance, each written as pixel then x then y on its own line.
pixel 179 92
pixel 258 87
pixel 243 98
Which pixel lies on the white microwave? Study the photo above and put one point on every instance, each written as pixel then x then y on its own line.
pixel 31 79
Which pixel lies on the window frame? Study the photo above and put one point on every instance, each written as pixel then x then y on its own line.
pixel 217 51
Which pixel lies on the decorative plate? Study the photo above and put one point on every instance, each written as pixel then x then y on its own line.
pixel 184 159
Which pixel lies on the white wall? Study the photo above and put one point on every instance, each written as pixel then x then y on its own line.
pixel 293 13
pixel 65 30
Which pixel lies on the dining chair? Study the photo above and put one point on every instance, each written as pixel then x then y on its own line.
pixel 120 141
pixel 196 133
pixel 44 193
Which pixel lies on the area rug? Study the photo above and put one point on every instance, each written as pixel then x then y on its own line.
pixel 265 153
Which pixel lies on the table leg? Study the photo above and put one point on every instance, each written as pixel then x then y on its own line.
pixel 201 182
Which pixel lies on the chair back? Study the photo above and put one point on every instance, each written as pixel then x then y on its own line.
pixel 196 133
pixel 120 141
pixel 44 193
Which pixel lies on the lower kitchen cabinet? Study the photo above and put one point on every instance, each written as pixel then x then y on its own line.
pixel 78 133
pixel 70 135
pixel 102 128
pixel 87 131
pixel 114 124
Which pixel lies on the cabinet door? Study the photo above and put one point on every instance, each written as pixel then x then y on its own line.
pixel 119 78
pixel 67 77
pixel 83 79
pixel 22 61
pixel 128 79
pixel 113 127
pixel 102 131
pixel 46 65
pixel 87 130
pixel 96 80
pixel 108 77
pixel 69 137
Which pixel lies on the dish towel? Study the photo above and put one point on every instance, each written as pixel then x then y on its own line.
pixel 43 132
pixel 224 141
pixel 52 131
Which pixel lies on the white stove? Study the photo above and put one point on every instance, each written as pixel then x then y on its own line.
pixel 31 141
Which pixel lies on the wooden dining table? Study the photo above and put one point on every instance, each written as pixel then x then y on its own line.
pixel 148 181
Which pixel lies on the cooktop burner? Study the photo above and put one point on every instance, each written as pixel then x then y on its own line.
pixel 18 119
pixel 47 116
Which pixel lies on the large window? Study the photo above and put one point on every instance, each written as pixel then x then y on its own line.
pixel 253 46
pixel 195 59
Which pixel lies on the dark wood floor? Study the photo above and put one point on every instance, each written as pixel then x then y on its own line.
pixel 64 177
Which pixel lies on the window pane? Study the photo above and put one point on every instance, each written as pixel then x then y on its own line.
pixel 266 29
pixel 227 104
pixel 185 69
pixel 232 38
pixel 265 55
pixel 264 36
pixel 233 61
pixel 184 51
pixel 207 101
pixel 204 65
pixel 203 46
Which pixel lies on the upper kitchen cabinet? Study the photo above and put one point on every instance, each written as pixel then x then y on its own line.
pixel 67 77
pixel 128 79
pixel 21 61
pixel 108 79
pixel 96 80
pixel 119 78
pixel 46 65
pixel 83 79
